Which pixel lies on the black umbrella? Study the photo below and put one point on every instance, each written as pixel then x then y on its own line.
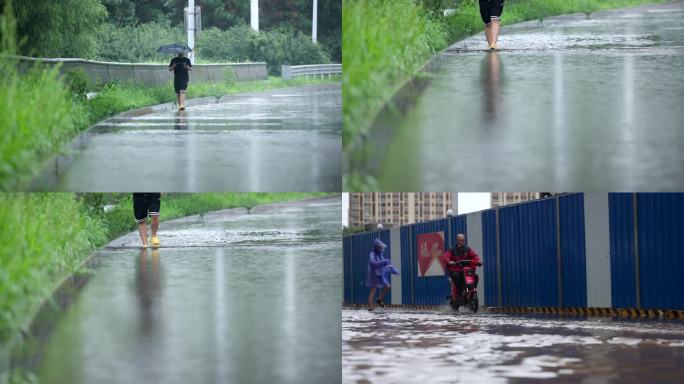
pixel 174 48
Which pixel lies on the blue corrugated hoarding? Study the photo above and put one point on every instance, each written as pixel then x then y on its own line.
pixel 661 249
pixel 622 257
pixel 573 250
pixel 528 253
pixel 347 268
pixel 407 267
pixel 491 277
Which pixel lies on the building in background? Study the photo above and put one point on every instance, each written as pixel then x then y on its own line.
pixel 393 209
pixel 505 198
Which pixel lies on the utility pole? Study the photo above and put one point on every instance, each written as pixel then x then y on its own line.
pixel 254 15
pixel 314 24
pixel 191 30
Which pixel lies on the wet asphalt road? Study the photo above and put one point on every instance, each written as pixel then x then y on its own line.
pixel 279 140
pixel 573 103
pixel 392 346
pixel 230 297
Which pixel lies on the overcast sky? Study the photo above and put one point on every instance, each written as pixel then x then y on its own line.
pixel 467 202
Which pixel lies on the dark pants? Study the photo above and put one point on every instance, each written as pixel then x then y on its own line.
pixel 491 9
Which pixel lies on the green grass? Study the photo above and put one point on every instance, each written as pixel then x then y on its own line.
pixel 46 236
pixel 385 42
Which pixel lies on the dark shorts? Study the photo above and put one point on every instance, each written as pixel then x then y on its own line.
pixel 145 204
pixel 180 85
pixel 491 10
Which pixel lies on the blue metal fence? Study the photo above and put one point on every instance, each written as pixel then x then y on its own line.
pixel 573 251
pixel 622 256
pixel 491 268
pixel 661 249
pixel 528 253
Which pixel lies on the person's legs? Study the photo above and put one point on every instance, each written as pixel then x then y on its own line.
pixel 495 30
pixel 140 214
pixel 383 292
pixel 142 228
pixel 154 205
pixel 495 16
pixel 371 296
pixel 454 286
pixel 155 225
pixel 182 98
pixel 486 19
pixel 488 33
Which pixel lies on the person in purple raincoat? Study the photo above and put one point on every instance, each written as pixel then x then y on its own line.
pixel 379 270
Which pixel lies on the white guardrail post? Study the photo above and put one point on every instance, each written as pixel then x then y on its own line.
pixel 315 70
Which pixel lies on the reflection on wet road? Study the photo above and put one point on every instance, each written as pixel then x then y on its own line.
pixel 230 297
pixel 395 346
pixel 280 140
pixel 575 103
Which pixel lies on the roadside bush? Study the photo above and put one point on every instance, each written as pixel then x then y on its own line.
pixel 136 43
pixel 77 82
pixel 276 47
pixel 285 46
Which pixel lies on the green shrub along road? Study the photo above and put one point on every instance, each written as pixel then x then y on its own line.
pixel 393 39
pixel 47 236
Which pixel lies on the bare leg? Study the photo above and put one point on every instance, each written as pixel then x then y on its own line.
pixel 178 99
pixel 155 225
pixel 495 31
pixel 142 228
pixel 182 98
pixel 488 33
pixel 384 292
pixel 371 296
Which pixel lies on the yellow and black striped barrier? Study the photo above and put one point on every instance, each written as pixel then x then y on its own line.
pixel 605 312
pixel 573 311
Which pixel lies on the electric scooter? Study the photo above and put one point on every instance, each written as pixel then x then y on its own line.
pixel 469 296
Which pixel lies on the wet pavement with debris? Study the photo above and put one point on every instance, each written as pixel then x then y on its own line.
pixel 280 140
pixel 230 297
pixel 570 103
pixel 393 346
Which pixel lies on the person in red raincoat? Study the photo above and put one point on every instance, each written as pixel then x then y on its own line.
pixel 460 252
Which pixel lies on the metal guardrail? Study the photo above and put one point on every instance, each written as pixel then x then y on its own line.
pixel 316 70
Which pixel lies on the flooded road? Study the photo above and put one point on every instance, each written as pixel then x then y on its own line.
pixel 573 103
pixel 279 140
pixel 392 346
pixel 230 297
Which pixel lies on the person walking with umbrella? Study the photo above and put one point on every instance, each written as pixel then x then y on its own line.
pixel 180 65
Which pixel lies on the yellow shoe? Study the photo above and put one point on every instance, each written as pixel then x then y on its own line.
pixel 155 241
pixel 493 47
pixel 182 107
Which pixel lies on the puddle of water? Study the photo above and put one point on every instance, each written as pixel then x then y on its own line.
pixel 231 313
pixel 281 140
pixel 397 346
pixel 575 104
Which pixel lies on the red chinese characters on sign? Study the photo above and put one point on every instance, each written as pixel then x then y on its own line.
pixel 431 260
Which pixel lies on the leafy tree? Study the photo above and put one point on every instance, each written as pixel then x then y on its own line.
pixel 66 28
